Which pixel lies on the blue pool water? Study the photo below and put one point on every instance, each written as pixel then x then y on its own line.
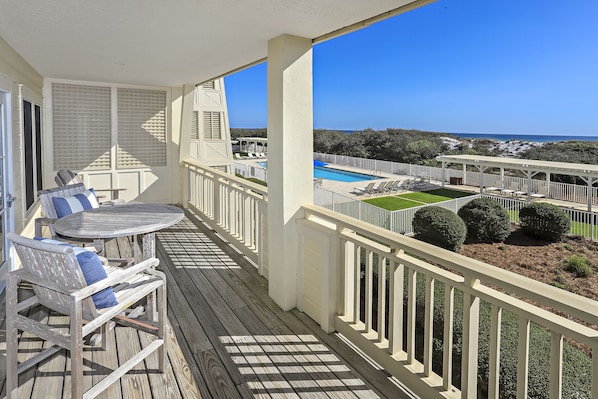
pixel 340 175
pixel 334 174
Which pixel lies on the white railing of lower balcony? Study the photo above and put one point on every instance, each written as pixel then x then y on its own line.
pixel 416 309
pixel 234 207
pixel 445 325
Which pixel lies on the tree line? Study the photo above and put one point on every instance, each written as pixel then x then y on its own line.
pixel 421 147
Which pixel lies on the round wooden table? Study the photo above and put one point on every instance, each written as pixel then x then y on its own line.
pixel 121 221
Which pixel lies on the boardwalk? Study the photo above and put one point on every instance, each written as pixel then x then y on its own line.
pixel 227 338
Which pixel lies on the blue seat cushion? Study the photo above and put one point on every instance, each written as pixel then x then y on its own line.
pixel 93 271
pixel 79 202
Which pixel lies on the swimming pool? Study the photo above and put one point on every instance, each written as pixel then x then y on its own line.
pixel 341 175
pixel 335 174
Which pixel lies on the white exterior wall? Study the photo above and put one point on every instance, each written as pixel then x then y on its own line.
pixel 17 76
pixel 147 183
pixel 212 152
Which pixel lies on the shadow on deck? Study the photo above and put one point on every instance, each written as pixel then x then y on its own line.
pixel 227 338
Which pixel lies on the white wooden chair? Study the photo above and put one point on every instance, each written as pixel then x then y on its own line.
pixel 59 285
pixel 65 177
pixel 50 214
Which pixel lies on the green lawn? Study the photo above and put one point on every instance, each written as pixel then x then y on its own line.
pixel 392 203
pixel 432 196
pixel 410 200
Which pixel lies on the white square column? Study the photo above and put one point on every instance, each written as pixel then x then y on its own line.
pixel 290 159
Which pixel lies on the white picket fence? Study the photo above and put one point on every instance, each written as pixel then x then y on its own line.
pixel 558 191
pixel 401 221
pixel 248 171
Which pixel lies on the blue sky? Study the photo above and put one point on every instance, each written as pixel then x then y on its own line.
pixel 469 66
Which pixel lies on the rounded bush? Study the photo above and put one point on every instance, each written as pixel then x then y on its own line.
pixel 486 220
pixel 440 227
pixel 545 221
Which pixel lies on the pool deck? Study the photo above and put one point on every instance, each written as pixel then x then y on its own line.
pixel 348 188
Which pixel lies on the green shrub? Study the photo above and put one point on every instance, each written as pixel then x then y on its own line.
pixel 579 266
pixel 545 221
pixel 486 220
pixel 440 227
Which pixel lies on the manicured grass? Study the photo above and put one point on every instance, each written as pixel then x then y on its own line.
pixel 410 200
pixel 432 196
pixel 392 203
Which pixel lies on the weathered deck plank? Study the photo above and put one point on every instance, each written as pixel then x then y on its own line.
pixel 226 337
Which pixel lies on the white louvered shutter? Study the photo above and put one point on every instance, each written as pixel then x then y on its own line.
pixel 141 128
pixel 81 126
pixel 211 125
pixel 195 126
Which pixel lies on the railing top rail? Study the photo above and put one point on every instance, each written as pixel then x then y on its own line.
pixel 572 304
pixel 231 178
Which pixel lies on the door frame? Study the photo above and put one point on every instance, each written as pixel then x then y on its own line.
pixel 8 222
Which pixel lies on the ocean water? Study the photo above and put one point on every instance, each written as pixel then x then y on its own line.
pixel 524 137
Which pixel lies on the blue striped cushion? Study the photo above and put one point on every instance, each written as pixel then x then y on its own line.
pixel 79 202
pixel 93 271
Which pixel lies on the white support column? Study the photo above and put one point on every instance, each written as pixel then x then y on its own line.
pixel 290 165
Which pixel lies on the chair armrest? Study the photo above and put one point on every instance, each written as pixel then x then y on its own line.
pixel 41 222
pixel 116 277
pixel 114 192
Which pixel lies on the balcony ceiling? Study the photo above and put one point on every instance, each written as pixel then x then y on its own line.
pixel 166 43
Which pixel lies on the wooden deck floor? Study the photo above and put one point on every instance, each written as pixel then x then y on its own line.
pixel 227 338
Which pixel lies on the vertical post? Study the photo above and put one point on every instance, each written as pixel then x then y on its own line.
pixel 469 357
pixel 556 365
pixel 447 352
pixel 290 171
pixel 348 278
pixel 523 357
pixel 443 172
pixel 494 362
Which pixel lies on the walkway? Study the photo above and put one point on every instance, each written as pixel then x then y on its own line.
pixel 228 338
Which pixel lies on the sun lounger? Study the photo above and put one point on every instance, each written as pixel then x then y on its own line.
pixel 393 187
pixel 379 189
pixel 542 192
pixel 521 192
pixel 364 190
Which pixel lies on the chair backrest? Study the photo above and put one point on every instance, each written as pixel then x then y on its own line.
pixel 65 177
pixel 45 197
pixel 381 185
pixel 57 264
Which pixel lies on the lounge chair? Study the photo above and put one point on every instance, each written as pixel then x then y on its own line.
pixel 541 193
pixel 393 187
pixel 521 192
pixel 250 155
pixel 406 185
pixel 364 190
pixel 91 295
pixel 379 189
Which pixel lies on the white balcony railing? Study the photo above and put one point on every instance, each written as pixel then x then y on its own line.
pixel 388 288
pixel 416 309
pixel 234 207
